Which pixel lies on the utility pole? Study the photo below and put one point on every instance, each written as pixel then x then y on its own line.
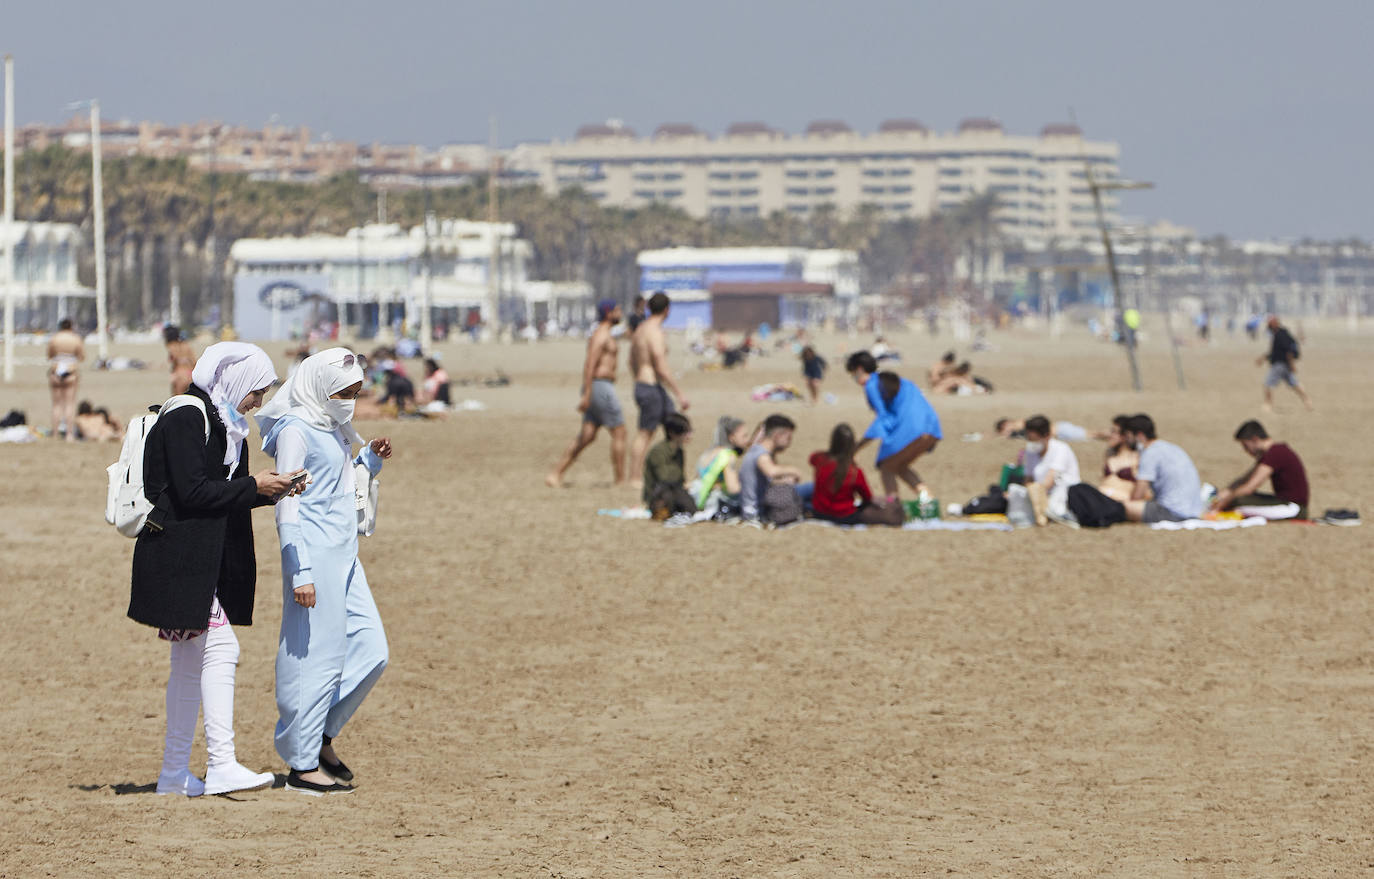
pixel 1127 334
pixel 427 301
pixel 102 320
pixel 7 228
pixel 1168 304
pixel 214 240
pixel 493 315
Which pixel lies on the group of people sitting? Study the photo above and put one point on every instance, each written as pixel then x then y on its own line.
pixel 1145 478
pixel 946 376
pixel 741 474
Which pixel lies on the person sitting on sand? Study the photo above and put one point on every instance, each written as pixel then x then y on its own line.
pixel 961 380
pixel 437 395
pixel 1275 462
pixel 96 424
pixel 1120 463
pixel 759 467
pixel 1051 469
pixel 940 368
pixel 1167 487
pixel 665 490
pixel 839 482
pixel 718 466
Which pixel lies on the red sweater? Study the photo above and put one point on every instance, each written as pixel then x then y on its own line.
pixel 829 502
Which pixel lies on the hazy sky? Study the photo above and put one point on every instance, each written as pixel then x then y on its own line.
pixel 1252 118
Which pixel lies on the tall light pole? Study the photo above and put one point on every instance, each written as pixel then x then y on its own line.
pixel 493 316
pixel 8 226
pixel 1098 187
pixel 98 230
pixel 427 301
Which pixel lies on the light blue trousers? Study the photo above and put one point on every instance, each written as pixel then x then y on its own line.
pixel 329 657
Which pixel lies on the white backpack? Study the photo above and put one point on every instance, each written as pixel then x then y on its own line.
pixel 126 508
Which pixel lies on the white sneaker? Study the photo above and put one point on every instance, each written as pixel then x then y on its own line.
pixel 235 777
pixel 183 784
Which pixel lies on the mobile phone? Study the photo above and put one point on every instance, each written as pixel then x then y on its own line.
pixel 300 477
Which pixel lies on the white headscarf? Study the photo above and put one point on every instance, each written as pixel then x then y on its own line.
pixel 308 389
pixel 228 372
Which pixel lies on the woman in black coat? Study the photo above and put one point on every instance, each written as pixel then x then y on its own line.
pixel 194 569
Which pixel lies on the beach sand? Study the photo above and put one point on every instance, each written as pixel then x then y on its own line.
pixel 573 695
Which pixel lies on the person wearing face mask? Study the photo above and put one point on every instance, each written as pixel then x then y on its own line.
pixel 1051 469
pixel 333 648
pixel 194 569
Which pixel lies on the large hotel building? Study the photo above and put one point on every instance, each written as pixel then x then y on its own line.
pixel 903 169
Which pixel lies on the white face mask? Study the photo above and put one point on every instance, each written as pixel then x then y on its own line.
pixel 340 410
pixel 1036 448
pixel 1140 446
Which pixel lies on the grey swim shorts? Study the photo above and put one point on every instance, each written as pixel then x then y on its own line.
pixel 654 403
pixel 1280 373
pixel 604 410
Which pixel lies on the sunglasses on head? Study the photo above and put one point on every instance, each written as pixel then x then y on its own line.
pixel 348 360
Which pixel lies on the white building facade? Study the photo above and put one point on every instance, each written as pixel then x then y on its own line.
pixel 43 274
pixel 903 169
pixel 380 275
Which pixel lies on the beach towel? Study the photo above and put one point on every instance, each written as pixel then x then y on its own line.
pixel 1209 524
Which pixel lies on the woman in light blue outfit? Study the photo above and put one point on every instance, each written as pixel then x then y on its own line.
pixel 333 648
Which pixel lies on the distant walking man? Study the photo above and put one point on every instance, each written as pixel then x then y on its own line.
pixel 598 403
pixel 649 364
pixel 1283 364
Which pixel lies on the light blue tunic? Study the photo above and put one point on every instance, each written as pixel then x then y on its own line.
pixel 900 422
pixel 330 655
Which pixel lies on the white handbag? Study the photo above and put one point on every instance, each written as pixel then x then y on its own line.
pixel 365 487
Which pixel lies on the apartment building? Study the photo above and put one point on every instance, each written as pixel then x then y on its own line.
pixel 903 168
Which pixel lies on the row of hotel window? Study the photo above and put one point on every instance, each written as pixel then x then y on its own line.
pixel 846 157
pixel 593 175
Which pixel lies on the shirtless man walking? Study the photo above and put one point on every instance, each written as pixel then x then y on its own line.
pixel 649 364
pixel 598 403
pixel 180 357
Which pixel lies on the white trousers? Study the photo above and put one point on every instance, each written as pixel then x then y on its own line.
pixel 202 675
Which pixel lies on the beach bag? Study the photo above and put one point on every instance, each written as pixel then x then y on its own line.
pixel 365 489
pixel 126 506
pixel 1092 508
pixel 781 504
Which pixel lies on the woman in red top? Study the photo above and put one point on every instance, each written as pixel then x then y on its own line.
pixel 839 481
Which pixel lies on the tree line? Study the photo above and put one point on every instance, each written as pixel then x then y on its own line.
pixel 170 224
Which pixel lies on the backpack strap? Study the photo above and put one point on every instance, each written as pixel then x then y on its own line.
pixel 181 400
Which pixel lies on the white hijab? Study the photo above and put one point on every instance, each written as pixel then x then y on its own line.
pixel 309 387
pixel 228 372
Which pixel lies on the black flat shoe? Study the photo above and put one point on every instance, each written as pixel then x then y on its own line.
pixel 312 788
pixel 338 770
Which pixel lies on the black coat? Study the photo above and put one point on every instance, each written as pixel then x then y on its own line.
pixel 199 541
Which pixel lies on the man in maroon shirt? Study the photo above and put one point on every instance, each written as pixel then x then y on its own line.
pixel 1275 461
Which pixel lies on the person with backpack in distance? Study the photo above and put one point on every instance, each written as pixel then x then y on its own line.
pixel 1283 365
pixel 194 569
pixel 333 648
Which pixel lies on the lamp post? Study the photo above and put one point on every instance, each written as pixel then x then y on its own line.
pixel 98 231
pixel 1098 187
pixel 8 220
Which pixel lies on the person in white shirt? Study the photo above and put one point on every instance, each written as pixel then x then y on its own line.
pixel 1051 467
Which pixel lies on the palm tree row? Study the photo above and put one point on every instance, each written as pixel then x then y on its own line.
pixel 168 224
